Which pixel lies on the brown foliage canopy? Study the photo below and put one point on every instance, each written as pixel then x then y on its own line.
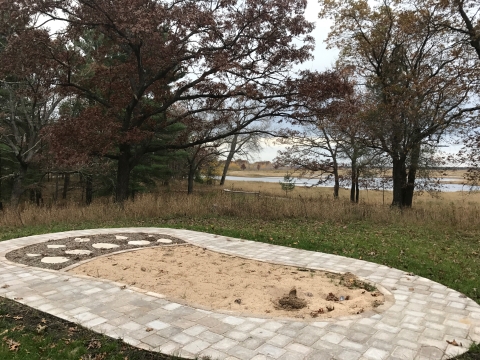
pixel 136 60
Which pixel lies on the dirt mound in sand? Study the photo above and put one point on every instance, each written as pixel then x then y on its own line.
pixel 291 301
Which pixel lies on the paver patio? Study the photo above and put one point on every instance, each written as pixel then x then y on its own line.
pixel 417 319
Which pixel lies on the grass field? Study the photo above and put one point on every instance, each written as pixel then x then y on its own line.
pixel 438 239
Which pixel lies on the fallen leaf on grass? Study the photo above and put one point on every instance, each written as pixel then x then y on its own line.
pixel 43 321
pixel 40 328
pixel 4 332
pixel 94 344
pixel 12 344
pixel 18 317
pixel 101 356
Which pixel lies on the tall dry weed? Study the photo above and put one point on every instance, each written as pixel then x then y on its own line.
pixel 216 204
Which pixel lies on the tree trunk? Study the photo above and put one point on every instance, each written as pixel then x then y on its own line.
pixel 357 195
pixel 412 173
pixel 56 187
pixel 17 189
pixel 399 175
pixel 191 177
pixel 123 174
pixel 231 153
pixel 353 186
pixel 38 197
pixel 336 186
pixel 88 189
pixel 66 184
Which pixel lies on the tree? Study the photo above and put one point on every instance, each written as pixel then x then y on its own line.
pixel 243 144
pixel 288 183
pixel 316 149
pixel 155 63
pixel 415 71
pixel 28 102
pixel 462 18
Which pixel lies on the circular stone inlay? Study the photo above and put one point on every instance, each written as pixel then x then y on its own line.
pixel 165 241
pixel 81 240
pixel 55 246
pixel 119 237
pixel 139 242
pixel 78 252
pixel 34 255
pixel 54 259
pixel 104 246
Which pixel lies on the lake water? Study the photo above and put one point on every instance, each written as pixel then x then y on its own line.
pixel 314 182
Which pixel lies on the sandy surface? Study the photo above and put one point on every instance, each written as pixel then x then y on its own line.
pixel 198 277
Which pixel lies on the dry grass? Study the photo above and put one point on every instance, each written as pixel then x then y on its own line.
pixel 451 210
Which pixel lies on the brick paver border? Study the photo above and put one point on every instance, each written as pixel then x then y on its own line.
pixel 417 319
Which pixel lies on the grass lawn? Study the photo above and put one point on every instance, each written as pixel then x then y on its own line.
pixel 427 244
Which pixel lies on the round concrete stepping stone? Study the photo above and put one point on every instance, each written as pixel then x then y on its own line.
pixel 55 246
pixel 139 242
pixel 78 252
pixel 104 246
pixel 34 255
pixel 54 259
pixel 165 241
pixel 81 240
pixel 120 237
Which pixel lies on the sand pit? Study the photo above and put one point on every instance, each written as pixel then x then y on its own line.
pixel 209 280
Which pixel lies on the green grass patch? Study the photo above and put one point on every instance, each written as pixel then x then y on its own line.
pixel 445 254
